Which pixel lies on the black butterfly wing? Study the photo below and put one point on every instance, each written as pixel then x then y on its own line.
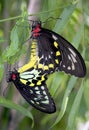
pixel 33 88
pixel 68 58
pixel 72 61
pixel 48 53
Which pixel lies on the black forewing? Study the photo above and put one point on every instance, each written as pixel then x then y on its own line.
pixel 47 53
pixel 71 62
pixel 37 96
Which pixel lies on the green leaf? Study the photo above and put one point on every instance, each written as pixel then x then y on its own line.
pixel 19 35
pixel 86 93
pixel 78 36
pixel 56 81
pixel 65 16
pixel 70 86
pixel 75 107
pixel 8 104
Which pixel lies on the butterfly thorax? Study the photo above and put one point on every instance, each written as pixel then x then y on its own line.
pixel 36 28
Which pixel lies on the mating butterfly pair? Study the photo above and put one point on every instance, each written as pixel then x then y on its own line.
pixel 50 52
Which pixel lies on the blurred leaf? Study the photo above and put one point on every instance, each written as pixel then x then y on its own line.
pixel 65 16
pixel 75 107
pixel 18 37
pixel 78 36
pixel 57 79
pixel 70 86
pixel 8 104
pixel 86 92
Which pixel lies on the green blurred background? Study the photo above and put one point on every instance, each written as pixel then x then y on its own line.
pixel 71 94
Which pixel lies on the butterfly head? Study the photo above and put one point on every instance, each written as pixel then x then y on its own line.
pixel 12 76
pixel 36 24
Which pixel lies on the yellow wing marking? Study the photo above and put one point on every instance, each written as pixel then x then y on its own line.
pixel 56 44
pixel 27 66
pixel 40 66
pixel 33 59
pixel 46 67
pixel 23 81
pixel 51 65
pixel 39 82
pixel 42 78
pixel 32 85
pixel 58 53
pixel 56 60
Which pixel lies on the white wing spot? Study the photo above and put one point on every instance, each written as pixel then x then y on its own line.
pixel 37 102
pixel 73 67
pixel 72 52
pixel 36 88
pixel 69 57
pixel 35 99
pixel 46 58
pixel 42 87
pixel 69 68
pixel 51 52
pixel 64 66
pixel 26 75
pixel 45 102
pixel 31 91
pixel 30 75
pixel 32 101
pixel 46 97
pixel 42 57
pixel 37 92
pixel 44 92
pixel 73 58
pixel 49 56
pixel 54 37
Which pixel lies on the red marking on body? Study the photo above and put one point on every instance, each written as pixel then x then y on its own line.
pixel 36 34
pixel 36 31
pixel 13 76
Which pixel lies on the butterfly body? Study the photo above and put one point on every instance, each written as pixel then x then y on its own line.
pixel 50 52
pixel 57 53
pixel 34 89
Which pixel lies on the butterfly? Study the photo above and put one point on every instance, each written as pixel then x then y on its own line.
pixel 50 52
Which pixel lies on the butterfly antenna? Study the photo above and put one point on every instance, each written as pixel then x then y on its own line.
pixel 50 18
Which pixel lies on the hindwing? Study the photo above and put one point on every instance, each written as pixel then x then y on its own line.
pixel 32 86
